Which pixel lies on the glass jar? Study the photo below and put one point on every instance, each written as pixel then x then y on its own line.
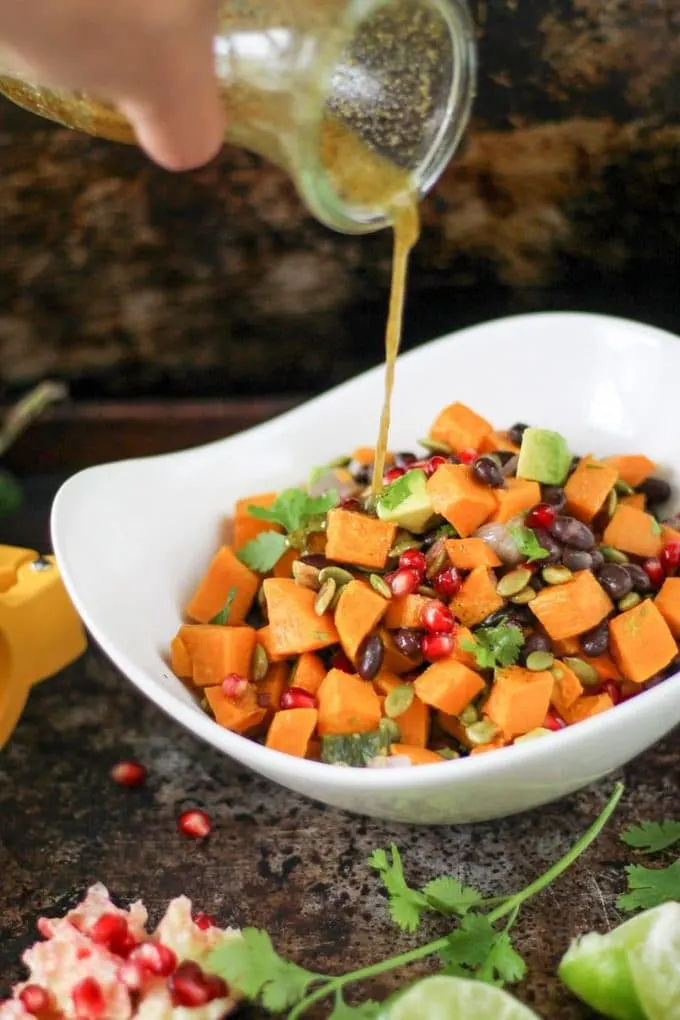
pixel 361 102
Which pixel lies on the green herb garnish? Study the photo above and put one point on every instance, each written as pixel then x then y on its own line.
pixel 222 618
pixel 649 887
pixel 397 492
pixel 495 646
pixel 651 837
pixel 263 552
pixel 298 514
pixel 527 543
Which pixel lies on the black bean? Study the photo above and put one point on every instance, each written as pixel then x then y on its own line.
pixel 370 657
pixel 487 471
pixel 428 541
pixel 408 642
pixel 573 533
pixel 536 642
pixel 516 432
pixel 576 559
pixel 575 461
pixel 597 560
pixel 404 460
pixel 596 641
pixel 554 496
pixel 315 560
pixel 615 580
pixel 361 473
pixel 553 548
pixel 639 577
pixel 515 616
pixel 657 490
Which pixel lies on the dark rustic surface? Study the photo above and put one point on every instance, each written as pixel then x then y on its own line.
pixel 274 859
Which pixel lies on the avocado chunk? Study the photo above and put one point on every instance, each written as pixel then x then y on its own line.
pixel 405 502
pixel 543 457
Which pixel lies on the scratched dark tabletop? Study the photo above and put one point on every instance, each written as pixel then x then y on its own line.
pixel 274 860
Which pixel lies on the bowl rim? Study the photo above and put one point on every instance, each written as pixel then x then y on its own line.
pixel 262 759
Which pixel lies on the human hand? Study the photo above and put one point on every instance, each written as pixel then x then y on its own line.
pixel 152 59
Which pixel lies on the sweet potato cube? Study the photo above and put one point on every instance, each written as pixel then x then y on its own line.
pixel 309 673
pixel 270 690
pixel 449 686
pixel 567 610
pixel 606 667
pixel 468 553
pixel 463 638
pixel 225 574
pixel 180 660
pixel 365 455
pixel 586 707
pixel 264 638
pixel 669 534
pixel 460 428
pixel 636 499
pixel 294 626
pixel 347 704
pixel 452 725
pixel 567 688
pixel 567 646
pixel 641 642
pixel 417 755
pixel 668 604
pixel 456 494
pixel 247 528
pixel 357 614
pixel 520 494
pixel 217 651
pixel 291 731
pixel 634 531
pixel 497 441
pixel 492 745
pixel 477 598
pixel 284 567
pixel 356 538
pixel 633 468
pixel 588 488
pixel 519 700
pixel 414 723
pixel 241 715
pixel 406 611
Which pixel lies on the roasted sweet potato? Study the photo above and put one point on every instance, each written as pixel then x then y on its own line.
pixel 586 707
pixel 241 715
pixel 566 610
pixel 588 488
pixel 567 688
pixel 406 611
pixel 641 642
pixel 633 531
pixel 292 730
pixel 358 613
pixel 456 494
pixel 668 604
pixel 294 627
pixel 270 689
pixel 215 651
pixel 477 598
pixel 356 538
pixel 225 574
pixel 468 553
pixel 449 686
pixel 519 700
pixel 309 673
pixel 414 723
pixel 347 704
pixel 460 428
pixel 519 494
pixel 180 660
pixel 633 468
pixel 494 441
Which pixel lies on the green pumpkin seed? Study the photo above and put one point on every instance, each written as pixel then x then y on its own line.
pixel 323 600
pixel 481 732
pixel 612 555
pixel 337 574
pixel 557 672
pixel 306 575
pixel 556 575
pixel 436 563
pixel 629 601
pixel 339 462
pixel 260 664
pixel 513 582
pixel 623 488
pixel 402 546
pixel 612 502
pixel 540 731
pixel 586 673
pixel 447 753
pixel 538 661
pixel 380 585
pixel 398 700
pixel 429 593
pixel 435 446
pixel 389 730
pixel 469 715
pixel 523 597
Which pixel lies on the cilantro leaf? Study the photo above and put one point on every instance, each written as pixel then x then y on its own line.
pixel 264 552
pixel 367 1010
pixel 477 950
pixel 292 508
pixel 503 964
pixel 651 837
pixel 222 618
pixel 406 905
pixel 449 896
pixel 527 543
pixel 252 965
pixel 495 646
pixel 649 887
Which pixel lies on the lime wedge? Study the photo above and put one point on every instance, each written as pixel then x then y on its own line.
pixel 598 968
pixel 452 998
pixel 655 965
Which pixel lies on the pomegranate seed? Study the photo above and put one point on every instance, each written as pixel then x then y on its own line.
pixel 670 557
pixel 613 691
pixel 188 986
pixel 155 957
pixel 654 571
pixel 44 927
pixel 554 722
pixel 438 618
pixel 111 930
pixel 217 986
pixel 542 516
pixel 88 1001
pixel 83 953
pixel 431 465
pixel 447 582
pixel 203 921
pixel 128 773
pixel 35 999
pixel 194 823
pixel 296 697
pixel 413 559
pixel 403 582
pixel 392 475
pixel 234 685
pixel 340 661
pixel 468 456
pixel 436 646
pixel 133 975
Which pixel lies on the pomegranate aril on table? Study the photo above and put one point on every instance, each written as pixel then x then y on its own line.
pixel 129 773
pixel 195 824
pixel 495 557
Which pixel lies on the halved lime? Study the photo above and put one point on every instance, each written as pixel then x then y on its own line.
pixel 597 968
pixel 453 998
pixel 655 965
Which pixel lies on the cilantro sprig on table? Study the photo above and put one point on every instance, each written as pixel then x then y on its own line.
pixel 298 514
pixel 650 887
pixel 495 646
pixel 478 947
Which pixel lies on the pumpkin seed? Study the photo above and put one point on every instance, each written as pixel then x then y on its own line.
pixel 429 593
pixel 510 466
pixel 380 585
pixel 389 730
pixel 556 575
pixel 402 546
pixel 480 732
pixel 260 664
pixel 435 446
pixel 538 661
pixel 306 576
pixel 447 753
pixel 326 595
pixel 336 599
pixel 612 502
pixel 540 731
pixel 437 561
pixel 612 555
pixel 629 601
pixel 586 673
pixel 337 574
pixel 557 672
pixel 469 715
pixel 623 488
pixel 398 700
pixel 524 596
pixel 513 582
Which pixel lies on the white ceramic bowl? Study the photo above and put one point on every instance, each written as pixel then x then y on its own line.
pixel 133 538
